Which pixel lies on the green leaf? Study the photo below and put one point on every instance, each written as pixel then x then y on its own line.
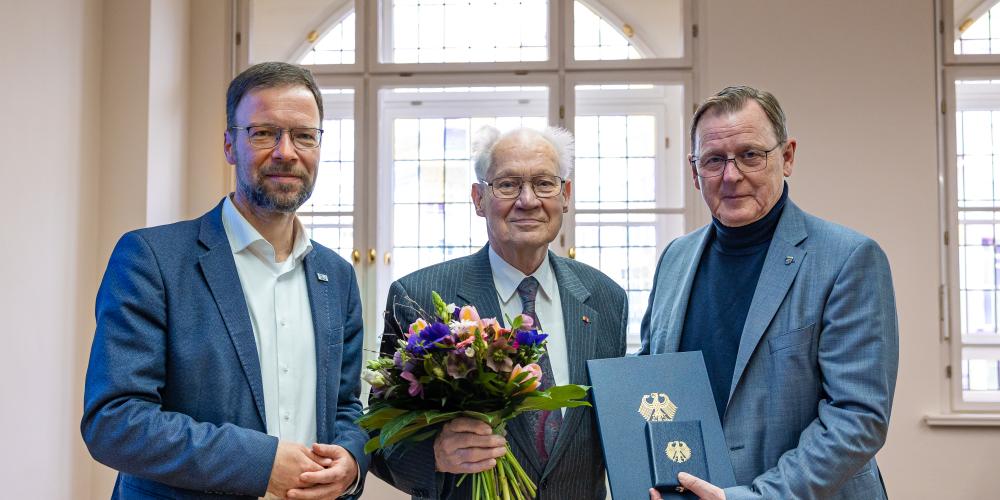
pixel 372 445
pixel 390 429
pixel 517 322
pixel 378 418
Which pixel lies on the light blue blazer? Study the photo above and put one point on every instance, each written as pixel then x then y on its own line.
pixel 816 369
pixel 174 399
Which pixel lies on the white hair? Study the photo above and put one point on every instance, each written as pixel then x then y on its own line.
pixel 487 137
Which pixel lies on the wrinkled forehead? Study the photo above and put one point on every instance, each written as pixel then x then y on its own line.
pixel 524 154
pixel 749 123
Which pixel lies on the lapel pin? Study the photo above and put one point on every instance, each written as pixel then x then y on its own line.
pixel 789 259
pixel 322 277
pixel 586 320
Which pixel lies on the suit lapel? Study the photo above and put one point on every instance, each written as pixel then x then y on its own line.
pixel 781 264
pixel 220 272
pixel 679 304
pixel 477 288
pixel 581 345
pixel 319 302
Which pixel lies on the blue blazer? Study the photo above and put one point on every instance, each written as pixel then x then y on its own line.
pixel 576 467
pixel 816 369
pixel 173 398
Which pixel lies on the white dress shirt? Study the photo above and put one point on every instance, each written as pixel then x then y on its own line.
pixel 548 308
pixel 278 303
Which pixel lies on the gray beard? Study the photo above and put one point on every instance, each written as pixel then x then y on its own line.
pixel 258 196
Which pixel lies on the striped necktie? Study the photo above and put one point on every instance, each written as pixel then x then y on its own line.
pixel 545 424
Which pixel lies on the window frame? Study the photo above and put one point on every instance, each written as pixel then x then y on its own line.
pixel 951 329
pixel 368 75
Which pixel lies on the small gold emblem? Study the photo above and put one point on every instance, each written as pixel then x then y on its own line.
pixel 657 407
pixel 678 451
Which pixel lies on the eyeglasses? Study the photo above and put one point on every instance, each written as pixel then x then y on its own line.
pixel 544 186
pixel 267 136
pixel 750 160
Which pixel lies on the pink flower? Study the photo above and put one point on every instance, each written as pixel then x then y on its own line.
pixel 417 326
pixel 416 388
pixel 526 322
pixel 468 313
pixel 534 377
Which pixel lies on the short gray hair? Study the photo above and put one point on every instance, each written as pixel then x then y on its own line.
pixel 487 138
pixel 735 98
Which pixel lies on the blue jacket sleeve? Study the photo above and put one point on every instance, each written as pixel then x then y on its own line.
pixel 124 424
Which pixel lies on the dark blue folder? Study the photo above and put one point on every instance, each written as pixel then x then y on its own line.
pixel 629 392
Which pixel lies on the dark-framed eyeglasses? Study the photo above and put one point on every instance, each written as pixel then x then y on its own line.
pixel 268 136
pixel 544 186
pixel 750 160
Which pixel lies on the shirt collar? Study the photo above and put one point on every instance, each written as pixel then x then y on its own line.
pixel 242 234
pixel 506 277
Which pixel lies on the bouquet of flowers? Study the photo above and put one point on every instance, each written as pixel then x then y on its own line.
pixel 457 364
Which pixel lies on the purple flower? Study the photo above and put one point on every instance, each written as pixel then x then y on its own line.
pixel 459 365
pixel 498 358
pixel 415 388
pixel 456 314
pixel 423 342
pixel 530 337
pixel 435 333
pixel 416 346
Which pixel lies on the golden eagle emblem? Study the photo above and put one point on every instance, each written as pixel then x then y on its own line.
pixel 657 407
pixel 678 451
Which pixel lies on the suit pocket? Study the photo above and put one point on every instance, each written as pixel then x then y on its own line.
pixel 792 341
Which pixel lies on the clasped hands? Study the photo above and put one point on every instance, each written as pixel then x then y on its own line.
pixel 321 472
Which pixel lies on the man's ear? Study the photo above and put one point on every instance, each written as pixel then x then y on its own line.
pixel 227 147
pixel 477 199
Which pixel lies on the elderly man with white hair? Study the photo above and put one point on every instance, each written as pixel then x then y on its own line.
pixel 523 189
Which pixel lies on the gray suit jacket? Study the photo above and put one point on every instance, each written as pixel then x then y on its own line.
pixel 576 467
pixel 816 369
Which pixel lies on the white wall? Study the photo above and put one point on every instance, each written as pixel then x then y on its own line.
pixel 857 81
pixel 49 131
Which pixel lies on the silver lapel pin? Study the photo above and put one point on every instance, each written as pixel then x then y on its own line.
pixel 322 277
pixel 789 259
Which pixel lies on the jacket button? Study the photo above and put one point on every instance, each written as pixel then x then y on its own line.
pixel 544 484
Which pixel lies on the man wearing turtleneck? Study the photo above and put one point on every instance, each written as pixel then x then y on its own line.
pixel 721 294
pixel 794 315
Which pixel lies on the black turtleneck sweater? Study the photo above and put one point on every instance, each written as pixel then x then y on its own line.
pixel 723 288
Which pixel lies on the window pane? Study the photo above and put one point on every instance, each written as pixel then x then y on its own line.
pixel 981 374
pixel 327 215
pixel 429 31
pixel 645 29
pixel 977 28
pixel 433 216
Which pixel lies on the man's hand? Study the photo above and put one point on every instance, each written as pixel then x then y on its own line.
pixel 704 489
pixel 331 482
pixel 467 445
pixel 290 461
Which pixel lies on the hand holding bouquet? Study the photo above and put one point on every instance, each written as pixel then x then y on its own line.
pixel 457 364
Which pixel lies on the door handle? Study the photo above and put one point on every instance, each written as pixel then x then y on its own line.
pixel 356 256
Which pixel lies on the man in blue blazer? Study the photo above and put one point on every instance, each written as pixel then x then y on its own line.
pixel 522 192
pixel 795 316
pixel 227 354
